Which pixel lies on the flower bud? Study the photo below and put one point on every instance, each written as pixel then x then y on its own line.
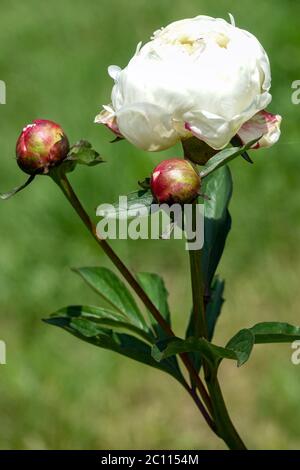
pixel 175 181
pixel 41 145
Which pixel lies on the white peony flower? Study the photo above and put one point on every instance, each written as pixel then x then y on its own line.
pixel 201 76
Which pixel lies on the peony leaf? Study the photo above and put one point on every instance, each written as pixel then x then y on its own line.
pixel 212 353
pixel 217 222
pixel 94 317
pixel 236 142
pixel 84 154
pixel 144 184
pixel 238 348
pixel 137 203
pixel 214 305
pixel 101 328
pixel 263 333
pixel 113 290
pixel 16 190
pixel 224 157
pixel 154 287
pixel 275 332
pixel 242 342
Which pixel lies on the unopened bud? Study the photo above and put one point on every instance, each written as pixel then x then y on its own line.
pixel 41 145
pixel 175 181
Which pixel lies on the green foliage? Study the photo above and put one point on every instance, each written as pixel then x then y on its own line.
pixel 40 237
pixel 84 154
pixel 113 290
pixel 107 333
pixel 155 288
pixel 212 353
pixel 81 153
pixel 217 224
pixel 218 188
pixel 238 348
pixel 122 328
pixel 214 305
pixel 224 157
pixel 16 190
pixel 213 309
pixel 262 333
pixel 90 319
pixel 136 204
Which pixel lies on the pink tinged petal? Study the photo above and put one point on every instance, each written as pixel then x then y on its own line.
pixel 188 127
pixel 262 124
pixel 108 118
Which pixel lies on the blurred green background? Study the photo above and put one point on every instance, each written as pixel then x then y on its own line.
pixel 56 392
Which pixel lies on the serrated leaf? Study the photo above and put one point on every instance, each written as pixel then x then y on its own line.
pixel 108 338
pixel 137 203
pixel 16 190
pixel 224 157
pixel 113 290
pixel 84 154
pixel 155 288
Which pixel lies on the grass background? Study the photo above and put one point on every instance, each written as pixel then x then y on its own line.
pixel 56 392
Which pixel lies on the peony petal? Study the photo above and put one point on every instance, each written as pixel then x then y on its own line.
pixel 147 126
pixel 114 71
pixel 262 124
pixel 108 118
pixel 212 129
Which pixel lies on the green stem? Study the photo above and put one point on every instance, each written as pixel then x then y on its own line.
pixel 223 421
pixel 61 180
pixel 225 427
pixel 197 287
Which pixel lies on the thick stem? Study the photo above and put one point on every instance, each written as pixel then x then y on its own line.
pixel 63 183
pixel 222 419
pixel 225 427
pixel 197 287
pixel 199 405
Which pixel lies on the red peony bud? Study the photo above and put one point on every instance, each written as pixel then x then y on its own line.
pixel 41 145
pixel 175 181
